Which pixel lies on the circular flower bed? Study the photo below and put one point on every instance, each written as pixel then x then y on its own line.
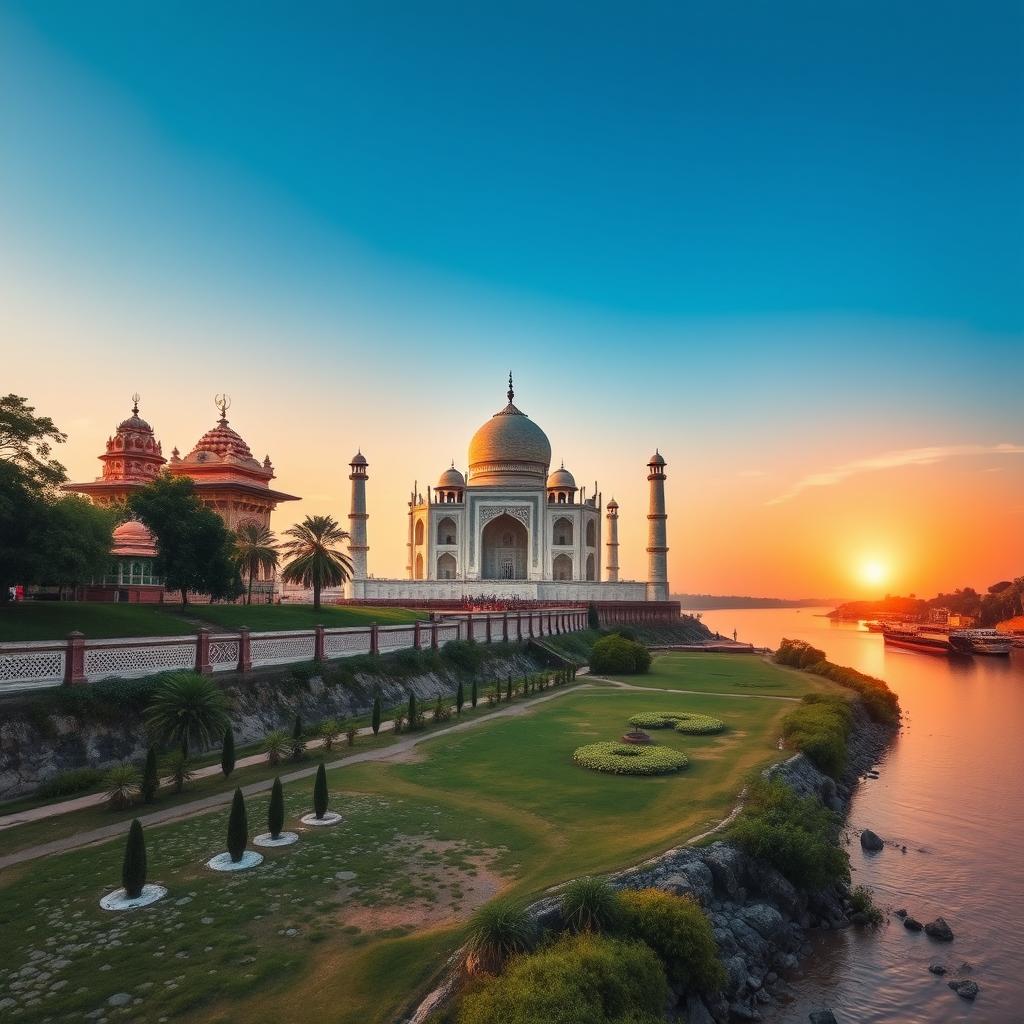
pixel 691 724
pixel 627 759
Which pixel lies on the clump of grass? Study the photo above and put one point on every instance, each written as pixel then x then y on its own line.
pixel 499 930
pixel 862 901
pixel 590 905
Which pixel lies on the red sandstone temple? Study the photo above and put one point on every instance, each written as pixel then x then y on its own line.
pixel 226 477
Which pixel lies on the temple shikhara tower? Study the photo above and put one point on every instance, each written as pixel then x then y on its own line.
pixel 511 527
pixel 226 476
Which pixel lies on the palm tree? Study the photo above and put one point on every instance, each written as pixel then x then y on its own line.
pixel 187 708
pixel 313 561
pixel 255 551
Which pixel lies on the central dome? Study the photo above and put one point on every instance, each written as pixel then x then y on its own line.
pixel 509 449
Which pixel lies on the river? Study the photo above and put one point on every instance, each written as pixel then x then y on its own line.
pixel 950 790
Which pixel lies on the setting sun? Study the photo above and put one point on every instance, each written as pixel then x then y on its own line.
pixel 873 572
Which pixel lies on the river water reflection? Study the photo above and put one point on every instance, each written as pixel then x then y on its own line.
pixel 951 790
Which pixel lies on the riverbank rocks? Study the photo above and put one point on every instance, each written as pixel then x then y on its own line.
pixel 912 924
pixel 822 1017
pixel 871 841
pixel 937 968
pixel 965 989
pixel 939 930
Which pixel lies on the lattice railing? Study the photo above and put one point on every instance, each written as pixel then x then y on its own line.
pixel 32 664
pixel 395 639
pixel 124 658
pixel 224 652
pixel 272 649
pixel 342 643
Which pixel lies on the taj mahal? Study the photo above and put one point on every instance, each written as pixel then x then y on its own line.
pixel 511 527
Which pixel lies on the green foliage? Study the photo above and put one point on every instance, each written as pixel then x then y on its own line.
pixel 254 551
pixel 508 689
pixel 582 979
pixel 75 780
pixel 630 759
pixel 276 744
pixel 227 753
pixel 615 654
pixel 133 867
pixel 413 714
pixel 177 765
pixel 187 709
pixel 794 834
pixel 863 902
pixel 121 784
pixel 593 619
pixel 679 931
pixel 498 930
pixel 460 698
pixel 819 727
pixel 474 695
pixel 798 654
pixel 238 827
pixel 329 730
pixel 320 792
pixel 150 777
pixel 351 732
pixel 465 655
pixel 691 724
pixel 590 905
pixel 73 541
pixel 442 710
pixel 194 548
pixel 313 558
pixel 298 740
pixel 275 810
pixel 375 718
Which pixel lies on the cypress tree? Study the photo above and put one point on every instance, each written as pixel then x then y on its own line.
pixel 238 827
pixel 460 698
pixel 150 777
pixel 473 694
pixel 227 753
pixel 320 792
pixel 508 689
pixel 298 744
pixel 412 711
pixel 133 867
pixel 375 720
pixel 275 812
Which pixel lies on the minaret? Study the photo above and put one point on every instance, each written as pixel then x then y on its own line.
pixel 657 544
pixel 612 563
pixel 357 517
pixel 408 543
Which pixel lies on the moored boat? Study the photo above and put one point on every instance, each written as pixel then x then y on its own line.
pixel 980 641
pixel 913 639
pixel 874 627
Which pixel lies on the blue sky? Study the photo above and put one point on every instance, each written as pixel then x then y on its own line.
pixel 737 203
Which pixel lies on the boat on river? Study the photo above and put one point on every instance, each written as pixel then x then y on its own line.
pixel 914 639
pixel 980 641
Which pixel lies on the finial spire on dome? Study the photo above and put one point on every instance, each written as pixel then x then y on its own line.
pixel 511 393
pixel 135 404
pixel 223 402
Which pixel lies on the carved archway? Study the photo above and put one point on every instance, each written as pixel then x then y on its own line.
pixel 561 568
pixel 503 545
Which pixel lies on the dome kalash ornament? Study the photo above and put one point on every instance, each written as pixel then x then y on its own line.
pixel 511 528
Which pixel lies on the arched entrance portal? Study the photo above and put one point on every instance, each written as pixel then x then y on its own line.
pixel 503 544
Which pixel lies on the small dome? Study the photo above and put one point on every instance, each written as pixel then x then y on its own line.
pixel 561 479
pixel 223 441
pixel 135 422
pixel 612 504
pixel 657 459
pixel 358 460
pixel 132 530
pixel 451 478
pixel 133 540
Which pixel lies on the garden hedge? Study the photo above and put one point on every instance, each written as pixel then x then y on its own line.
pixel 686 722
pixel 630 759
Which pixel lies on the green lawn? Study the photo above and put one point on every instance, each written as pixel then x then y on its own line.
pixel 53 620
pixel 722 673
pixel 428 838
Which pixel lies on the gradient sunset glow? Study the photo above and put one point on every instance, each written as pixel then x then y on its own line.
pixel 788 255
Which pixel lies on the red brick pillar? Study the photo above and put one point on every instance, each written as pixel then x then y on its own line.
pixel 374 638
pixel 416 641
pixel 433 634
pixel 244 650
pixel 74 660
pixel 318 643
pixel 203 666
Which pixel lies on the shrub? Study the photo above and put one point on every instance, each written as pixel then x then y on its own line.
pixel 863 902
pixel 227 753
pixel 584 979
pixel 630 759
pixel 689 723
pixel 187 709
pixel 329 730
pixel 150 778
pixel 498 930
pixel 794 834
pixel 442 710
pixel 351 732
pixel 276 744
pixel 494 696
pixel 616 654
pixel 466 655
pixel 133 867
pixel 238 827
pixel 460 698
pixel 177 765
pixel 76 780
pixel 122 786
pixel 275 811
pixel 399 721
pixel 375 717
pixel 593 619
pixel 508 689
pixel 298 745
pixel 320 792
pixel 819 727
pixel 590 905
pixel 414 712
pixel 798 654
pixel 680 933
